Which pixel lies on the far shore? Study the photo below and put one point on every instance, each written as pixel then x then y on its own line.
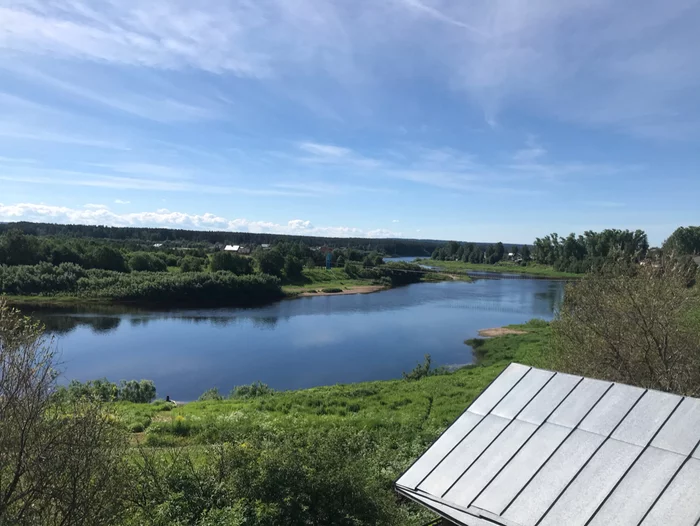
pixel 360 289
pixel 499 331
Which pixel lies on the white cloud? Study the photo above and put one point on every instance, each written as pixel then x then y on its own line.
pixel 101 215
pixel 121 202
pixel 394 220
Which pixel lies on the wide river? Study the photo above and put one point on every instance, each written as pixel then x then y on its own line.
pixel 295 343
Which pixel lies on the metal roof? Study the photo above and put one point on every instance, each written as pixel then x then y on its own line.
pixel 539 448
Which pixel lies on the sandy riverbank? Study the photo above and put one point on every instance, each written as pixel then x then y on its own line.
pixel 362 289
pixel 499 331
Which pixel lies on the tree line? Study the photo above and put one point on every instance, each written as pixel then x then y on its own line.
pixel 201 238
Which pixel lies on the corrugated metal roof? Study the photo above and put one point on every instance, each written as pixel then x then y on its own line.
pixel 539 448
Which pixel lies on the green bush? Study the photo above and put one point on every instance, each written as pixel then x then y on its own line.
pixel 251 391
pixel 225 261
pixel 331 290
pixel 210 394
pixel 191 264
pixel 147 262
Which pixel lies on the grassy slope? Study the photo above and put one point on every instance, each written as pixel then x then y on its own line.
pixel 413 412
pixel 532 269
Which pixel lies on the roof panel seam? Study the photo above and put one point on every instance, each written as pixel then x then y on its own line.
pixel 476 426
pixel 556 449
pixel 568 485
pixel 498 434
pixel 648 444
pixel 526 441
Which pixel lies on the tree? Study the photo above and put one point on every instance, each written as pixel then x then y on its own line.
pixel 60 462
pixel 225 261
pixel 525 253
pixel 683 241
pixel 270 262
pixel 18 248
pixel 107 258
pixel 293 267
pixel 146 262
pixel 310 263
pixel 191 264
pixel 630 323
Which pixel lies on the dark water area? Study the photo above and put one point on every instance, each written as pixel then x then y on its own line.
pixel 294 343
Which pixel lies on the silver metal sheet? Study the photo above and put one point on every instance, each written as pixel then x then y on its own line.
pixel 521 468
pixel 682 431
pixel 498 389
pixel 490 463
pixel 639 489
pixel 590 487
pixel 439 449
pixel 457 462
pixel 611 409
pixel 446 511
pixel 549 398
pixel 522 393
pixel 575 407
pixel 551 480
pixel 640 425
pixel 679 505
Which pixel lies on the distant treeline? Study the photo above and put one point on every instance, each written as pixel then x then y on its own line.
pixel 577 254
pixel 399 247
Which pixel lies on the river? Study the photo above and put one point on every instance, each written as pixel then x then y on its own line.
pixel 295 343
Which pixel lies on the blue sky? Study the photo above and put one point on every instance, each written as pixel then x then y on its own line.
pixel 476 120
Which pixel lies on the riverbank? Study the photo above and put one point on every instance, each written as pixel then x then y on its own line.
pixel 531 270
pixel 423 407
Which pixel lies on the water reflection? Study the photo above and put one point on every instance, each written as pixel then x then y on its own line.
pixel 298 343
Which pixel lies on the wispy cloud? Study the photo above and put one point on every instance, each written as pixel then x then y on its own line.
pixel 121 202
pixel 101 215
pixel 394 220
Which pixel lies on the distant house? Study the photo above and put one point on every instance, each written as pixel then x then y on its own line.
pixel 265 246
pixel 232 248
pixel 158 245
pixel 244 250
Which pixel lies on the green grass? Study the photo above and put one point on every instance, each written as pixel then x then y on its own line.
pixel 319 278
pixel 532 269
pixel 412 412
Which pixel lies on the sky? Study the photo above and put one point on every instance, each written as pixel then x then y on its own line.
pixel 474 120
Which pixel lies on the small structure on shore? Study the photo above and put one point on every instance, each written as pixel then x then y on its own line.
pixel 550 449
pixel 232 248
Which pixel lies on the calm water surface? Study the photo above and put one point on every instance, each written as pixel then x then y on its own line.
pixel 296 343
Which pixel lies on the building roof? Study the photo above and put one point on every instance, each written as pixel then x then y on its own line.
pixel 544 448
pixel 232 248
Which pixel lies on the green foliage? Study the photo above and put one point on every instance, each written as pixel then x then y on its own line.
pixel 221 288
pixel 253 390
pixel 683 241
pixel 631 323
pixel 147 262
pixel 270 261
pixel 332 290
pixel 293 267
pixel 420 371
pixel 225 261
pixel 210 394
pixel 192 264
pixel 107 258
pixel 103 390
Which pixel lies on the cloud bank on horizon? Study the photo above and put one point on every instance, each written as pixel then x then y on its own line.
pixel 492 119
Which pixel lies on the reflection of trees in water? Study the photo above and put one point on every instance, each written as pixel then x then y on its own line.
pixel 265 322
pixel 65 324
pixel 551 299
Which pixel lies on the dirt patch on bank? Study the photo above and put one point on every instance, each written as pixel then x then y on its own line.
pixel 365 289
pixel 499 331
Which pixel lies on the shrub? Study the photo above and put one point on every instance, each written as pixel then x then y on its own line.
pixel 225 261
pixel 191 264
pixel 332 290
pixel 251 391
pixel 142 392
pixel 420 371
pixel 147 262
pixel 211 394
